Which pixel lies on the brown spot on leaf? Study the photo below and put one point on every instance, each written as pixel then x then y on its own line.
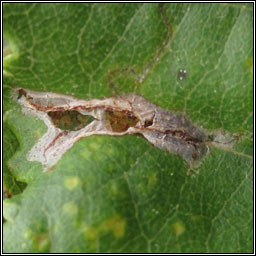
pixel 69 120
pixel 120 121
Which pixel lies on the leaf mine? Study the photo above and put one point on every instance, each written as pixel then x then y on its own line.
pixel 68 119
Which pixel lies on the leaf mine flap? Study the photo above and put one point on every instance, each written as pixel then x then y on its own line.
pixel 68 119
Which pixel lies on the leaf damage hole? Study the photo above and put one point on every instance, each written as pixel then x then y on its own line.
pixel 68 119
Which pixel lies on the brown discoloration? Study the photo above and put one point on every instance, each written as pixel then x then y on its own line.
pixel 7 194
pixel 21 92
pixel 69 119
pixel 184 136
pixel 38 106
pixel 119 120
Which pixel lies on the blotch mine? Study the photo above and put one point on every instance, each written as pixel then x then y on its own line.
pixel 69 119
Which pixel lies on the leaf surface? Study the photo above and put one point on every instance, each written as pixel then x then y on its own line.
pixel 121 194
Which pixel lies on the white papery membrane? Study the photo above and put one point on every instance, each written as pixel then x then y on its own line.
pixel 128 114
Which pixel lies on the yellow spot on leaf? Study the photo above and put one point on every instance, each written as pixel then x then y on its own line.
pixel 249 64
pixel 72 182
pixel 113 188
pixel 152 178
pixel 27 234
pixel 114 224
pixel 178 228
pixel 86 154
pixel 92 234
pixel 117 189
pixel 70 208
pixel 95 146
pixel 42 242
pixel 110 151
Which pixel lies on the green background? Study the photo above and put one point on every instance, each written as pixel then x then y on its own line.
pixel 121 194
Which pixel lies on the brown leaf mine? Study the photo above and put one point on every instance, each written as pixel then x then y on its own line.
pixel 68 119
pixel 120 121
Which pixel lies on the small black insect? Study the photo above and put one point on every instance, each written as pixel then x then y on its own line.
pixel 182 74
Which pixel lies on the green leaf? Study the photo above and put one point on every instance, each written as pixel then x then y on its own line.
pixel 10 184
pixel 121 194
